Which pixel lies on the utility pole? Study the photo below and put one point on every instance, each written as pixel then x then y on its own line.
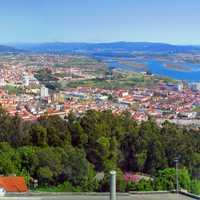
pixel 113 185
pixel 176 163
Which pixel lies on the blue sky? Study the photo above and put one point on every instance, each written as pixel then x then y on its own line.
pixel 170 21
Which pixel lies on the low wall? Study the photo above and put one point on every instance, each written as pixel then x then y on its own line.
pixel 194 196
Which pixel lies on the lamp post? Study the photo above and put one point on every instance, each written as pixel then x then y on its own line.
pixel 113 185
pixel 176 163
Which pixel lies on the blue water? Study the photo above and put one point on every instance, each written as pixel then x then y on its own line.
pixel 158 68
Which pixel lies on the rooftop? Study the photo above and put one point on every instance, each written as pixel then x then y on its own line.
pixel 13 183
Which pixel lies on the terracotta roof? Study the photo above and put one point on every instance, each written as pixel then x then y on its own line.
pixel 13 183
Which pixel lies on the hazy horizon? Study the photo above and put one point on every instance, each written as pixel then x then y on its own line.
pixel 93 21
pixel 88 42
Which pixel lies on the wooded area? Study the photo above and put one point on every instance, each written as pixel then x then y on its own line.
pixel 67 154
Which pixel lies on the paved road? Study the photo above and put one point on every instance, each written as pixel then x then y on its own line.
pixel 84 197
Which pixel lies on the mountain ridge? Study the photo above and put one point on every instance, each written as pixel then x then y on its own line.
pixel 8 49
pixel 66 47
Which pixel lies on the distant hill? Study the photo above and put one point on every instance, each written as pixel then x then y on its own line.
pixel 61 47
pixel 8 49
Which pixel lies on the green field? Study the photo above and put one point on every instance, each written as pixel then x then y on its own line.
pixel 126 81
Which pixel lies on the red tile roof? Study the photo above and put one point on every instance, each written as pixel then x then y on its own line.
pixel 13 183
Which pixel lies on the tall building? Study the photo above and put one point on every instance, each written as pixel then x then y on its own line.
pixel 26 80
pixel 2 82
pixel 180 87
pixel 44 92
pixel 195 86
pixel 58 98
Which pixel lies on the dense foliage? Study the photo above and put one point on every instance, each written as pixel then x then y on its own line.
pixel 69 153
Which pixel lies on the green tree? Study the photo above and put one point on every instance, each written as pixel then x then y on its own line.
pixel 166 179
pixel 19 134
pixel 45 175
pixel 75 166
pixel 39 135
pixel 195 187
pixel 9 160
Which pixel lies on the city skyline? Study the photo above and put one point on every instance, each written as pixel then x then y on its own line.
pixel 173 21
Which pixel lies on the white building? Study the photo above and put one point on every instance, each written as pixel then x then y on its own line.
pixel 44 92
pixel 195 86
pixel 2 82
pixel 26 81
pixel 180 87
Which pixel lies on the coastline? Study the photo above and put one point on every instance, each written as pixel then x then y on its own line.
pixel 176 67
pixel 140 66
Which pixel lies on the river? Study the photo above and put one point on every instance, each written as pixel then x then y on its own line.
pixel 159 68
